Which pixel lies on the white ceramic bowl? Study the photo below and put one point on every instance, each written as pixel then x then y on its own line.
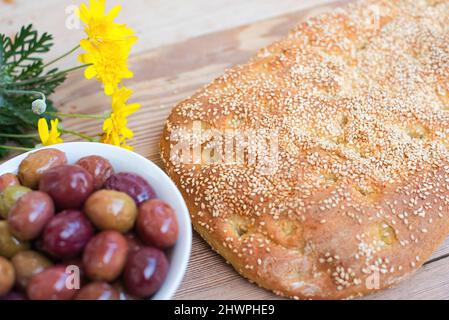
pixel 124 160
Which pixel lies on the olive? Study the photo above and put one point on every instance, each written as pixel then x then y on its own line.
pixel 98 291
pixel 76 264
pixel 27 264
pixel 123 294
pixel 8 179
pixel 51 284
pixel 30 214
pixel 157 224
pixel 14 295
pixel 68 185
pixel 132 184
pixel 36 163
pixel 99 167
pixel 67 233
pixel 145 272
pixel 9 197
pixel 105 256
pixel 111 210
pixel 134 243
pixel 7 276
pixel 9 245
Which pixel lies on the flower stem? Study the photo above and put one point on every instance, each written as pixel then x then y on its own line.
pixel 52 76
pixel 74 115
pixel 12 135
pixel 62 57
pixel 78 134
pixel 13 91
pixel 15 148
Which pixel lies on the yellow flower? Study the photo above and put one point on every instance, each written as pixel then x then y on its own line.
pixel 99 25
pixel 119 99
pixel 109 63
pixel 115 129
pixel 49 137
pixel 107 50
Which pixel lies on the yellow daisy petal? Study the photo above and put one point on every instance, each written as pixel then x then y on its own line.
pixel 127 133
pixel 90 72
pixel 83 13
pixel 114 12
pixel 109 89
pixel 42 128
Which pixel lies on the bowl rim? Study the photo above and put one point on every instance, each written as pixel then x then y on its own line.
pixel 168 289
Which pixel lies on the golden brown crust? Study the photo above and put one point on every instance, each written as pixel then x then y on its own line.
pixel 359 191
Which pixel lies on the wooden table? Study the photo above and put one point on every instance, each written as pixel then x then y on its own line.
pixel 182 46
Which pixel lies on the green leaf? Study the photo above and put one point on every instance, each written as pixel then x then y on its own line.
pixel 32 70
pixel 22 49
pixel 2 41
pixel 21 61
pixel 7 119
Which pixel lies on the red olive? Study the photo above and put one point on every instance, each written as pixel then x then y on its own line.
pixel 67 234
pixel 8 179
pixel 51 284
pixel 123 294
pixel 99 167
pixel 98 291
pixel 68 185
pixel 145 272
pixel 30 214
pixel 105 256
pixel 157 224
pixel 76 265
pixel 134 243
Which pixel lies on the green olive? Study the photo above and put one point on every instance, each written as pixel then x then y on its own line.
pixel 27 264
pixel 9 245
pixel 9 197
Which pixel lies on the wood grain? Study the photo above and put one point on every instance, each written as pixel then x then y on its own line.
pixel 156 22
pixel 181 48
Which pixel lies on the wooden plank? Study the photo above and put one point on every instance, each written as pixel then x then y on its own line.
pixel 431 282
pixel 156 22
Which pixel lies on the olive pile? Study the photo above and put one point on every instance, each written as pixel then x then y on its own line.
pixel 111 226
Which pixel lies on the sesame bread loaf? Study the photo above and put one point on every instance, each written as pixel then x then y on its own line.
pixel 337 183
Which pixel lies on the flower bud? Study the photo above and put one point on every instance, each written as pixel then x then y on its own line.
pixel 38 106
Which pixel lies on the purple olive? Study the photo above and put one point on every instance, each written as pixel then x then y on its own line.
pixel 67 234
pixel 68 185
pixel 132 184
pixel 14 295
pixel 145 271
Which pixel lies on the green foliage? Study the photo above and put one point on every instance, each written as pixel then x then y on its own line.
pixel 22 68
